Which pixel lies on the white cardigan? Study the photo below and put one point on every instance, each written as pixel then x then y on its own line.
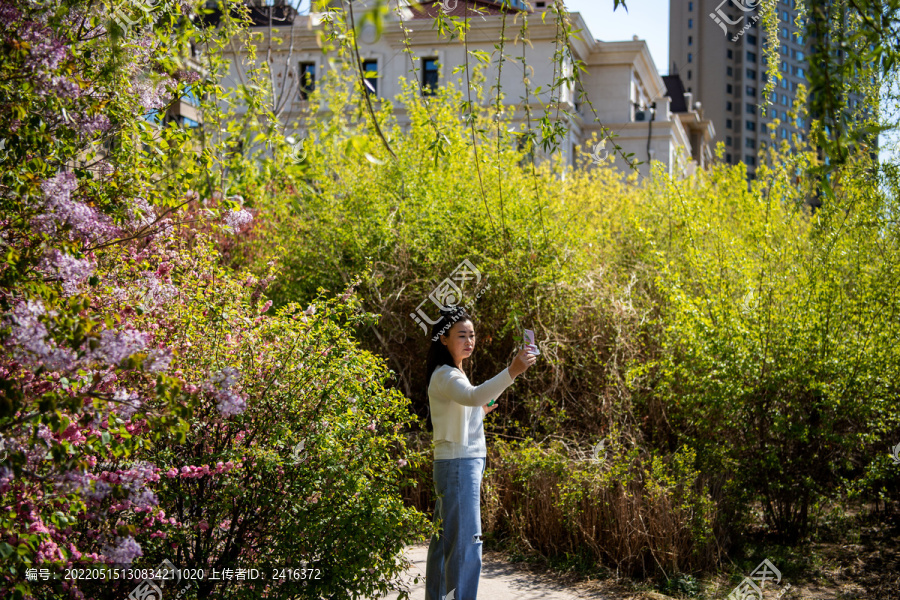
pixel 452 398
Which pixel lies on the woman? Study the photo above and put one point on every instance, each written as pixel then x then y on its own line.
pixel 457 413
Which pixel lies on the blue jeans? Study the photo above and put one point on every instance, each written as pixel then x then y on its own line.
pixel 454 556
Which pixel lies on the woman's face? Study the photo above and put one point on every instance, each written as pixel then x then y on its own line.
pixel 460 340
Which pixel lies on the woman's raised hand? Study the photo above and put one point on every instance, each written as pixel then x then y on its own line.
pixel 521 362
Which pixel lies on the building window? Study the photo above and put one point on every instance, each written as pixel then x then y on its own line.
pixel 751 126
pixel 728 124
pixel 801 72
pixel 690 23
pixel 729 71
pixel 784 15
pixel 429 76
pixel 690 57
pixel 728 89
pixel 730 54
pixel 690 6
pixel 751 91
pixel 751 110
pixel 690 40
pixel 728 106
pixel 370 75
pixel 728 158
pixel 750 143
pixel 751 39
pixel 785 33
pixel 307 79
pixel 751 57
pixel 689 74
pixel 190 96
pixel 750 160
pixel 784 83
pixel 751 74
pixel 727 140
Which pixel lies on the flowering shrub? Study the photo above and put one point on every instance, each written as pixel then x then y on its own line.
pixel 149 408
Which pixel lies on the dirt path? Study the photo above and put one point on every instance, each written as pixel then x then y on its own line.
pixel 501 580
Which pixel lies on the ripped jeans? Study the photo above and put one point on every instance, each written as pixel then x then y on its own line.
pixel 454 556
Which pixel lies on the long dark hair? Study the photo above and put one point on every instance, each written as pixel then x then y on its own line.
pixel 438 354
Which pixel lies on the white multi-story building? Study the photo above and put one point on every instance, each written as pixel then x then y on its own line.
pixel 625 92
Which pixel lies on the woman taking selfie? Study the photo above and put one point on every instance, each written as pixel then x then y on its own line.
pixel 457 413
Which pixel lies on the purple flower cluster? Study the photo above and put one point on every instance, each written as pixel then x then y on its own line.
pixel 128 403
pixel 187 76
pixel 46 51
pixel 29 335
pixel 117 346
pixel 142 214
pixel 158 360
pixel 156 292
pixel 151 97
pixel 221 386
pixel 238 219
pixel 68 269
pixel 135 481
pixel 46 55
pixel 59 210
pixel 9 14
pixel 125 550
pixel 93 124
pixel 86 485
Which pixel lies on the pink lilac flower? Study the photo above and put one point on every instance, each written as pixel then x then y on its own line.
pixel 236 220
pixel 125 550
pixel 220 385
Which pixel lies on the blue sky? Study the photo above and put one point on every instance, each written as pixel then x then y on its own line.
pixel 647 19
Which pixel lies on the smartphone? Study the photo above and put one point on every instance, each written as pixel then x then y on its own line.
pixel 529 341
